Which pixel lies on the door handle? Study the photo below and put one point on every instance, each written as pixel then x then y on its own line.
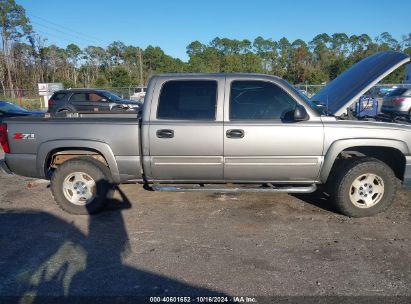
pixel 165 133
pixel 235 133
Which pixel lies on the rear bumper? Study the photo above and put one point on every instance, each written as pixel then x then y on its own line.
pixel 407 173
pixel 4 168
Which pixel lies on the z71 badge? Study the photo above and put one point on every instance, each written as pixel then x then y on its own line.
pixel 23 136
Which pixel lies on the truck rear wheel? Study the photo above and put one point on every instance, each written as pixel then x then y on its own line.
pixel 81 185
pixel 363 187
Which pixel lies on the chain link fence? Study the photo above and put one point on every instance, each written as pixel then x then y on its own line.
pixel 27 98
pixel 309 89
pixel 30 99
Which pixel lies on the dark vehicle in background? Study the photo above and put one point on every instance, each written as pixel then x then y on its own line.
pixel 8 109
pixel 397 101
pixel 89 100
pixel 384 91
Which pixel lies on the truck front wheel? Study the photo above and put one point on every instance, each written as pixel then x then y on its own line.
pixel 81 185
pixel 363 187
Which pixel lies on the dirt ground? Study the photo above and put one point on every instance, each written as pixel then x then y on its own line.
pixel 199 244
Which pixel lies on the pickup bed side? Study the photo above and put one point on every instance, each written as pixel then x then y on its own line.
pixel 117 140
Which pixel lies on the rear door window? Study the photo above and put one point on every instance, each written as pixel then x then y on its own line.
pixel 76 97
pixel 188 100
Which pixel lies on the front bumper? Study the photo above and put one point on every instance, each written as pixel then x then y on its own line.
pixel 407 173
pixel 4 168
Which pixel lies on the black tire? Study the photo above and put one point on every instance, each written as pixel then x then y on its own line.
pixel 102 189
pixel 343 190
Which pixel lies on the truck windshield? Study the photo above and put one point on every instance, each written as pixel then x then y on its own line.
pixel 310 103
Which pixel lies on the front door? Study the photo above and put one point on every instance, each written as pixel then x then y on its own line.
pixel 258 145
pixel 186 131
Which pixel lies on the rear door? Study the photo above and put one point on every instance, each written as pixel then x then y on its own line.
pixel 186 130
pixel 258 145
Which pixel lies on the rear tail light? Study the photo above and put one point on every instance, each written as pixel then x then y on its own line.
pixel 50 102
pixel 398 100
pixel 3 138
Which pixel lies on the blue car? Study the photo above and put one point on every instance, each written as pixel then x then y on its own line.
pixel 8 109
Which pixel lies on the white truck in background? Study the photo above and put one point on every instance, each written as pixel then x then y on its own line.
pixel 139 94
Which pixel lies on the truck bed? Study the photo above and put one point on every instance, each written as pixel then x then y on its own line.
pixel 115 136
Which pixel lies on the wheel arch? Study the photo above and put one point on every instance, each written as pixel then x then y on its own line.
pixel 47 150
pixel 392 152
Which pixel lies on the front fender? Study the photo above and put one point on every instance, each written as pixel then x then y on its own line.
pixel 104 149
pixel 340 145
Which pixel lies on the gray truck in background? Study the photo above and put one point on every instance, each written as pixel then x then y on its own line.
pixel 223 133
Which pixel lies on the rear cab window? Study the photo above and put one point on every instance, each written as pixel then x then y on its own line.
pixel 188 100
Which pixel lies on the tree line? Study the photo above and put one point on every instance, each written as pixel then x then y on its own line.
pixel 26 59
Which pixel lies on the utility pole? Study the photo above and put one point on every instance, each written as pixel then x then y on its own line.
pixel 8 62
pixel 140 60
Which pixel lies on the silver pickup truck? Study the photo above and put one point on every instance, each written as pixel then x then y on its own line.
pixel 223 133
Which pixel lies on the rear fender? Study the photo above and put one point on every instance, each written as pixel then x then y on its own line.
pixel 46 148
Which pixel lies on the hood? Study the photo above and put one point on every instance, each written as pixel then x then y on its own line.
pixel 347 88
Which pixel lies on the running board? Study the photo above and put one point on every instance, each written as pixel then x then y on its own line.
pixel 286 189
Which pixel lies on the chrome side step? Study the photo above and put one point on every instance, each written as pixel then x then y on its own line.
pixel 274 189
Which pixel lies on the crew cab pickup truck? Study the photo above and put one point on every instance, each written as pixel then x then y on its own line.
pixel 223 133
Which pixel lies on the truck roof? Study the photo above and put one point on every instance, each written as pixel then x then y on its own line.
pixel 199 75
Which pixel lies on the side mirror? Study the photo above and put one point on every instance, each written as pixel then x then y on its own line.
pixel 103 100
pixel 300 113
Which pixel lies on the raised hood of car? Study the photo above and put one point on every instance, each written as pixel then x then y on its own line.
pixel 347 88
